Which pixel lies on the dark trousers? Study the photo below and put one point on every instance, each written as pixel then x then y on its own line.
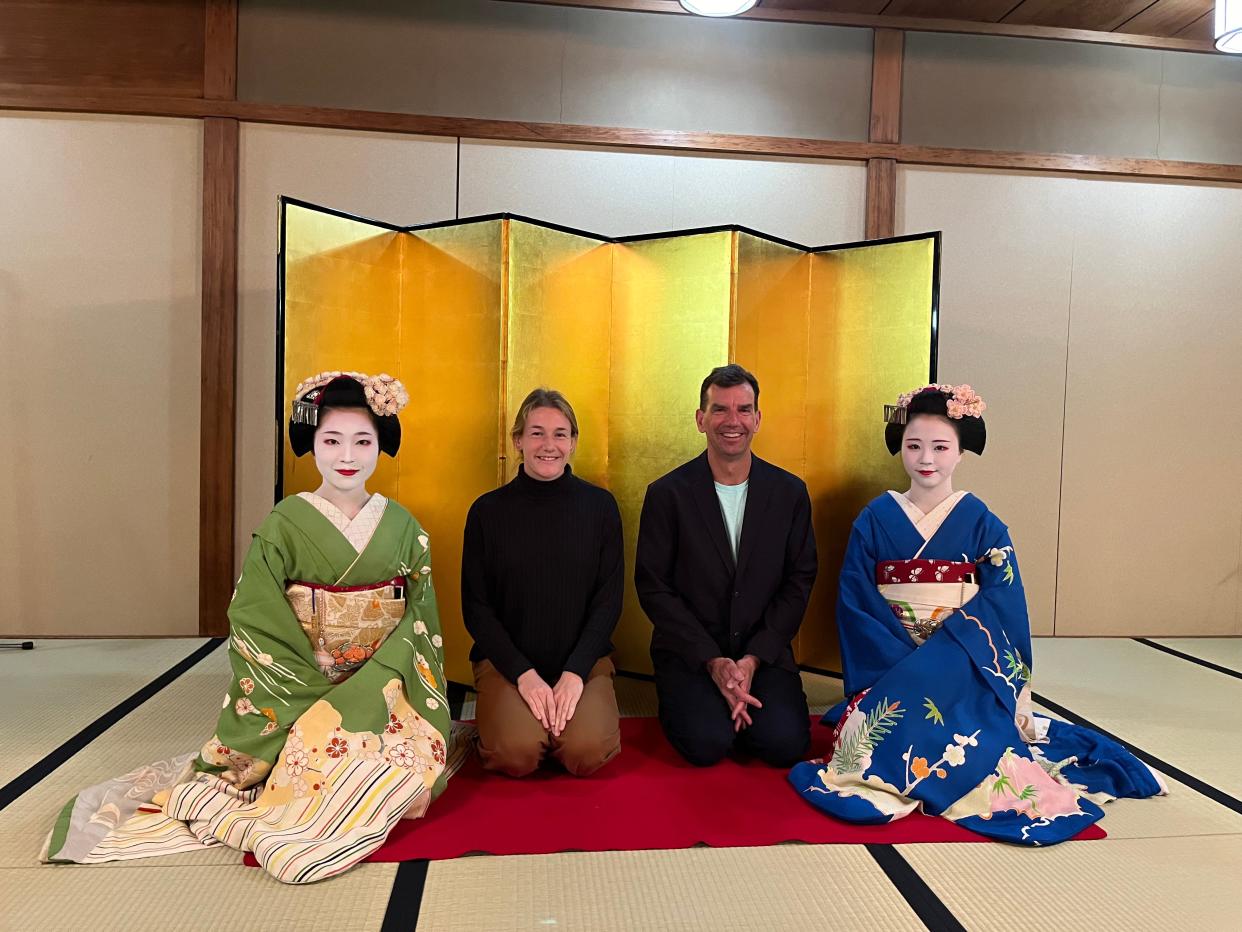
pixel 696 721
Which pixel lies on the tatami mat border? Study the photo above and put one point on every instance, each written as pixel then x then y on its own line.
pixel 1199 786
pixel 1191 657
pixel 930 909
pixel 37 772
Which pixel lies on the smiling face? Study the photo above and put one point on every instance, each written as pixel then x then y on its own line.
pixel 346 449
pixel 729 419
pixel 546 443
pixel 930 451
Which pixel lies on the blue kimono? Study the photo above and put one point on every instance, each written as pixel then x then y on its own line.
pixel 936 648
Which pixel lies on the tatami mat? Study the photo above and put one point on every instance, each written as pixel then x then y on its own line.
pixel 1167 864
pixel 1174 883
pixel 162 896
pixel 1176 710
pixel 64 685
pixel 789 887
pixel 177 719
pixel 1226 652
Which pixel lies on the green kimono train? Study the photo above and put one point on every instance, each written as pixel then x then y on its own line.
pixel 307 770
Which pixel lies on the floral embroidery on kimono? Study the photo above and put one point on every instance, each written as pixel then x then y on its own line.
pixel 937 674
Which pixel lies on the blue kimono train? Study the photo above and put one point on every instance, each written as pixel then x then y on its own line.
pixel 936 651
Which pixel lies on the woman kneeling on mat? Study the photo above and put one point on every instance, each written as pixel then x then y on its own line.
pixel 541 578
pixel 335 722
pixel 936 653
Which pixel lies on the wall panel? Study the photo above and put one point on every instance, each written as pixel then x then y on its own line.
pixel 399 178
pixel 1150 518
pixel 515 61
pixel 99 363
pixel 626 192
pixel 1004 319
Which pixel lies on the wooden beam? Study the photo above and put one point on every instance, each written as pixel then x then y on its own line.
pixel 886 64
pixel 908 24
pixel 218 375
pixel 117 47
pixel 572 134
pixel 886 67
pixel 220 50
pixel 881 220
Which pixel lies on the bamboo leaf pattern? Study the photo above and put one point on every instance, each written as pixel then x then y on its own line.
pixel 859 742
pixel 1002 784
pixel 1008 575
pixel 932 712
pixel 1016 666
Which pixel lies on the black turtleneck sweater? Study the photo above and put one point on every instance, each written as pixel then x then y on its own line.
pixel 541 576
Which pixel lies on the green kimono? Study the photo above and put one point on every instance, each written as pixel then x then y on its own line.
pixel 308 774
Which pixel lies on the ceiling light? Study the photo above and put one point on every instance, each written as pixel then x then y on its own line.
pixel 722 7
pixel 1228 25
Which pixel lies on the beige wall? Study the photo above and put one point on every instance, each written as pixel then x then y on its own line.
pixel 517 61
pixel 625 192
pixel 99 369
pixel 1098 318
pixel 1033 95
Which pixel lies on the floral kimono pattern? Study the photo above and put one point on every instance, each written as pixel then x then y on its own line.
pixel 942 722
pixel 307 773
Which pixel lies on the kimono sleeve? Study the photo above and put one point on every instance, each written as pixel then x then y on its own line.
pixel 872 639
pixel 274 677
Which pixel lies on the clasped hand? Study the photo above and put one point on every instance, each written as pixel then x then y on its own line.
pixel 733 679
pixel 552 706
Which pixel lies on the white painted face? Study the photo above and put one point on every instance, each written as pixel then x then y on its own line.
pixel 930 451
pixel 546 443
pixel 346 449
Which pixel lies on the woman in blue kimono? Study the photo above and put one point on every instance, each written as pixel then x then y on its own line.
pixel 936 652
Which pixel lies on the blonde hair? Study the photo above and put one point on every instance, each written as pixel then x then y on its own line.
pixel 544 398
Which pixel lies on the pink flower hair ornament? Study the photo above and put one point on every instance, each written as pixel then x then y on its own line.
pixel 961 404
pixel 383 395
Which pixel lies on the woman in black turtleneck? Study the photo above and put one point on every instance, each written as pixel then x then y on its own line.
pixel 541 578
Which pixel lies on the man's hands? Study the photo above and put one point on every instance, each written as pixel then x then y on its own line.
pixel 733 679
pixel 552 707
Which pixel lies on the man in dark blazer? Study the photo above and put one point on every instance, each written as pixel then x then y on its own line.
pixel 726 560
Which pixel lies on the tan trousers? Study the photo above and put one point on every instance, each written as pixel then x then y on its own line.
pixel 512 741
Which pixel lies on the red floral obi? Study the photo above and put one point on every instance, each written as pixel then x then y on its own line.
pixel 889 572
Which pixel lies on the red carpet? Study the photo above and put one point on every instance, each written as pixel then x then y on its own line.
pixel 648 797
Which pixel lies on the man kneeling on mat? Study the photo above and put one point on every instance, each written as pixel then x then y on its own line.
pixel 725 565
pixel 541 577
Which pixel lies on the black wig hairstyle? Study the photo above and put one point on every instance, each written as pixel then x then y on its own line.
pixel 972 434
pixel 341 392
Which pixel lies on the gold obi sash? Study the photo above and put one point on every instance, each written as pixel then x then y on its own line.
pixel 346 624
pixel 920 606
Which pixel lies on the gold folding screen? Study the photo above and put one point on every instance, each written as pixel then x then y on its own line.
pixel 471 315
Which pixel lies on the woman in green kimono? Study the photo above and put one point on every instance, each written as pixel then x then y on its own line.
pixel 335 721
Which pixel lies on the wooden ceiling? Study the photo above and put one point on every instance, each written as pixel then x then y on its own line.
pixel 1178 24
pixel 1183 19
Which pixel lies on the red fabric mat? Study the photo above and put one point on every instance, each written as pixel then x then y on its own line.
pixel 648 797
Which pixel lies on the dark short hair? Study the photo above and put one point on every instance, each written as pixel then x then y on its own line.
pixel 727 377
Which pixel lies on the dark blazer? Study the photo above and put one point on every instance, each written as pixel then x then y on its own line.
pixel 701 604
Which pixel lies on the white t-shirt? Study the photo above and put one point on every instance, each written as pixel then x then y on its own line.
pixel 733 507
